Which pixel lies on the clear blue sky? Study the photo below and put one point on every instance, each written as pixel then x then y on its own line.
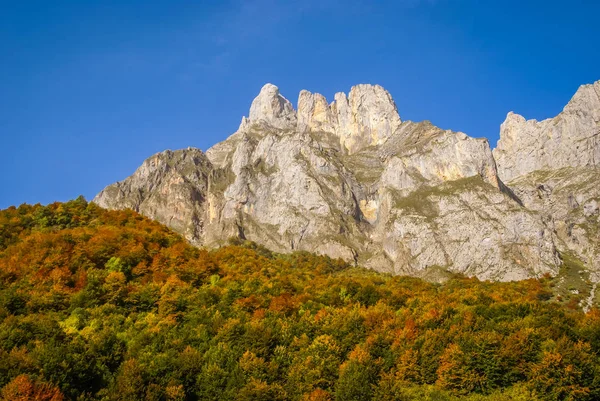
pixel 89 89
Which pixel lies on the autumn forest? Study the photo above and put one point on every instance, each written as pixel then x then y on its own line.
pixel 109 305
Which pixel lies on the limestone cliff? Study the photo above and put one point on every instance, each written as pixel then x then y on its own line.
pixel 385 206
pixel 171 187
pixel 351 179
pixel 553 167
pixel 570 139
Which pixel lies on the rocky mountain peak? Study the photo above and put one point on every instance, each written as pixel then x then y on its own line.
pixel 367 117
pixel 315 114
pixel 169 184
pixel 571 139
pixel 586 101
pixel 272 108
pixel 349 179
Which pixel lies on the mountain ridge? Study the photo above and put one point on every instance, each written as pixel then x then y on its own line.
pixel 351 179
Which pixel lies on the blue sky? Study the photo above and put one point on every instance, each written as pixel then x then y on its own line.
pixel 89 89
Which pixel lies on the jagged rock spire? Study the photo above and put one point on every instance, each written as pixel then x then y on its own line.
pixel 368 116
pixel 272 108
pixel 314 113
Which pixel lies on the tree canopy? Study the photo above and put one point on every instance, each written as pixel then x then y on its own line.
pixel 109 305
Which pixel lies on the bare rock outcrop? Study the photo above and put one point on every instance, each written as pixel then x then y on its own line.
pixel 348 179
pixel 422 154
pixel 367 117
pixel 553 168
pixel 170 187
pixel 273 109
pixel 315 114
pixel 571 139
pixel 569 198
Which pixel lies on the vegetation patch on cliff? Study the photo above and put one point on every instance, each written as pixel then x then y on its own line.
pixel 572 284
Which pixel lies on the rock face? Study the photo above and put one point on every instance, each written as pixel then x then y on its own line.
pixel 314 114
pixel 169 186
pixel 367 117
pixel 273 109
pixel 553 167
pixel 569 199
pixel 349 179
pixel 570 139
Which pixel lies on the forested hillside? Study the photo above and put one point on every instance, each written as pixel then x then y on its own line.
pixel 109 305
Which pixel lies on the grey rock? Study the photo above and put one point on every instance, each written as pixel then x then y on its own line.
pixel 350 179
pixel 272 108
pixel 367 117
pixel 170 187
pixel 314 114
pixel 570 139
pixel 568 198
pixel 553 167
pixel 422 154
pixel 466 226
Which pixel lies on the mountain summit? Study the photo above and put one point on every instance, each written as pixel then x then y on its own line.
pixel 570 139
pixel 350 179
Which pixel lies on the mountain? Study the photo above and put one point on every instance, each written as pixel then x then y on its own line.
pixel 571 139
pixel 553 166
pixel 350 179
